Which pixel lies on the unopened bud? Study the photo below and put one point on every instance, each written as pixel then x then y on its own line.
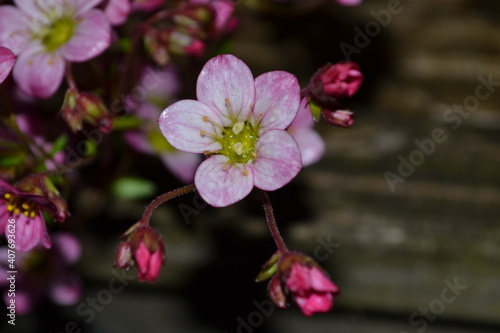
pixel 341 118
pixel 123 256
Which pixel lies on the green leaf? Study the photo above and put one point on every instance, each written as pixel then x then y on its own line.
pixel 126 123
pixel 11 160
pixel 131 188
pixel 59 144
pixel 315 111
pixel 269 268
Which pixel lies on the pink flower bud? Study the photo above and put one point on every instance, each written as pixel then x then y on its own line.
pixel 341 118
pixel 341 80
pixel 123 256
pixel 311 288
pixel 148 263
pixel 276 293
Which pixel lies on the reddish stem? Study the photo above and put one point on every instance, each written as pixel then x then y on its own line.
pixel 271 222
pixel 161 199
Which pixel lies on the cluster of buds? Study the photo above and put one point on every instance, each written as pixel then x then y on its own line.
pixel 141 245
pixel 189 29
pixel 329 87
pixel 296 275
pixel 84 106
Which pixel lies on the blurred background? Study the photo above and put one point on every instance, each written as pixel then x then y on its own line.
pixel 403 210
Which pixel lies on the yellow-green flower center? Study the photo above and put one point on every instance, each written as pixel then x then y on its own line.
pixel 58 33
pixel 238 142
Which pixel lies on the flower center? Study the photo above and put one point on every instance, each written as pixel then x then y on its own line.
pixel 57 33
pixel 16 205
pixel 238 142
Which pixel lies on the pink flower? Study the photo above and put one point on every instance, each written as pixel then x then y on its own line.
pixel 7 60
pixel 117 11
pixel 148 263
pixel 46 34
pixel 311 145
pixel 311 288
pixel 26 210
pixel 240 123
pixel 223 11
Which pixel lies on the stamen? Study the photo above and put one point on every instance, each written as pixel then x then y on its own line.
pixel 245 172
pixel 224 167
pixel 26 213
pixel 7 196
pixel 229 108
pixel 238 127
pixel 32 214
pixel 10 208
pixel 25 206
pixel 203 132
pixel 254 155
pixel 238 148
pixel 16 211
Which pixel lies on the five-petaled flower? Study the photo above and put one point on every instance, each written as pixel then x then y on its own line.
pixel 26 210
pixel 45 34
pixel 240 123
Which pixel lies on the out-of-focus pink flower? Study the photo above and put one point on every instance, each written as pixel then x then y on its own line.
pixel 161 87
pixel 25 209
pixel 46 34
pixel 240 123
pixel 44 273
pixel 349 2
pixel 223 11
pixel 341 118
pixel 117 11
pixel 311 145
pixel 311 288
pixel 7 60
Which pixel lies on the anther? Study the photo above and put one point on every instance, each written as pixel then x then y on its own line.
pixel 32 214
pixel 245 172
pixel 205 118
pixel 203 132
pixel 238 148
pixel 25 206
pixel 7 196
pixel 238 127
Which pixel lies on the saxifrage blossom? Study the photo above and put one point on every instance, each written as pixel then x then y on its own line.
pixel 7 60
pixel 26 210
pixel 46 34
pixel 240 123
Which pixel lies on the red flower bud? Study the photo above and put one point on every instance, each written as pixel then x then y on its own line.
pixel 339 81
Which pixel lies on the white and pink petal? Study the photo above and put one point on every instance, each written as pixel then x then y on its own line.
pixel 221 184
pixel 38 73
pixel 277 100
pixel 227 78
pixel 14 33
pixel 191 126
pixel 91 37
pixel 278 160
pixel 7 60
